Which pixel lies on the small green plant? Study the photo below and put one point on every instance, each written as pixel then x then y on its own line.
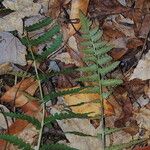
pixel 99 64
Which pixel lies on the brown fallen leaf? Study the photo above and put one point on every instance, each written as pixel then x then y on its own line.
pixel 28 85
pixel 76 6
pixel 31 108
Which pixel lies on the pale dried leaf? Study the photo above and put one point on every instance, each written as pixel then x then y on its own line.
pixel 80 125
pixel 3 123
pixel 11 49
pixel 65 58
pixel 143 118
pixel 13 21
pixel 142 71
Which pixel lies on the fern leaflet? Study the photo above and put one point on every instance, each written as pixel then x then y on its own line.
pixel 16 141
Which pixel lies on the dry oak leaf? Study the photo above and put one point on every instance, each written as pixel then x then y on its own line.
pixel 89 106
pixel 76 6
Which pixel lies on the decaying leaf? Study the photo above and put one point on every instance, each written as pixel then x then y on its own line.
pixel 11 49
pixel 90 104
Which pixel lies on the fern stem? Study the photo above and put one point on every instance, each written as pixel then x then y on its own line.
pixel 102 119
pixel 42 98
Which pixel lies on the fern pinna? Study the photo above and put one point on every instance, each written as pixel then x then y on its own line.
pixel 52 35
pixel 99 64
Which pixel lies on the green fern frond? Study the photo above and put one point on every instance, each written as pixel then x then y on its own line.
pixel 104 59
pixel 91 68
pixel 56 147
pixel 43 38
pixel 16 141
pixel 55 45
pixel 92 78
pixel 99 65
pixel 53 95
pixel 28 118
pixel 62 116
pixel 111 82
pixel 46 21
pixel 125 145
pixel 103 71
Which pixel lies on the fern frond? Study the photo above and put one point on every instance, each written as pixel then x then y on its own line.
pixel 46 21
pixel 92 78
pixel 111 82
pixel 56 147
pixel 53 95
pixel 16 141
pixel 107 69
pixel 28 118
pixel 104 59
pixel 91 68
pixel 62 116
pixel 125 145
pixel 43 38
pixel 54 46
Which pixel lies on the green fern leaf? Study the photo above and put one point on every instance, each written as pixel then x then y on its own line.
pixel 16 141
pixel 41 39
pixel 90 59
pixel 92 78
pixel 111 82
pixel 28 118
pixel 87 44
pixel 103 71
pixel 103 50
pixel 90 68
pixel 104 59
pixel 62 116
pixel 55 45
pixel 56 147
pixel 53 95
pixel 46 21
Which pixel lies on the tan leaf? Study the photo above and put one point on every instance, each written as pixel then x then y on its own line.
pixel 89 104
pixel 76 6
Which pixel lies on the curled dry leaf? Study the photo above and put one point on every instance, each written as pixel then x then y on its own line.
pixel 76 6
pixel 89 104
